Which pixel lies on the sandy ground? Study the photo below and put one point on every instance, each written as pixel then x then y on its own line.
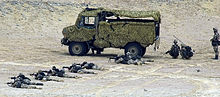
pixel 30 33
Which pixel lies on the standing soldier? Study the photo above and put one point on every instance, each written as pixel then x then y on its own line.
pixel 215 42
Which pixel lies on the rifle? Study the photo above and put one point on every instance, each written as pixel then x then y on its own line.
pixel 33 74
pixel 178 39
pixel 167 52
pixel 116 57
pixel 8 83
pixel 13 78
pixel 48 72
pixel 66 67
pixel 45 71
pixel 54 80
pixel 33 83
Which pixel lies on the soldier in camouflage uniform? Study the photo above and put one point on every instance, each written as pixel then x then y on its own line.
pixel 215 42
pixel 86 65
pixel 128 59
pixel 186 51
pixel 23 82
pixel 40 75
pixel 174 51
pixel 59 73
pixel 77 68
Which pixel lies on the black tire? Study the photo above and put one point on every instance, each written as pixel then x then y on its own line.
pixel 87 50
pixel 143 51
pixel 78 48
pixel 135 49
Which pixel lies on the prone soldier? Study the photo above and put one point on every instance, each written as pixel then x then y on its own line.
pixel 77 68
pixel 40 75
pixel 86 65
pixel 23 82
pixel 128 59
pixel 59 73
pixel 215 42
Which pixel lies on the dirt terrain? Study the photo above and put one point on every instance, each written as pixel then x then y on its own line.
pixel 30 33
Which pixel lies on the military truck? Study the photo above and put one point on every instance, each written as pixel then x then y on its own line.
pixel 99 28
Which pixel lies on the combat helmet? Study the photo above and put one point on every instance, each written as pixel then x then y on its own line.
pixel 175 41
pixel 39 71
pixel 54 67
pixel 84 63
pixel 215 29
pixel 21 75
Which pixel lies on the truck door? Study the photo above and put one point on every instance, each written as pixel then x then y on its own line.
pixel 87 26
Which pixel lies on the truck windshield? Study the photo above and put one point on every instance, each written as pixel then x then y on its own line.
pixel 87 22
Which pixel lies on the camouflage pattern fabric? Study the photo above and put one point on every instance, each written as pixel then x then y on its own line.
pixel 128 59
pixel 110 34
pixel 78 34
pixel 60 73
pixel 125 13
pixel 23 82
pixel 186 52
pixel 215 42
pixel 174 51
pixel 93 66
pixel 40 75
pixel 77 68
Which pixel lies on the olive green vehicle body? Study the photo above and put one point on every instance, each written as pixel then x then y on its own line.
pixel 136 27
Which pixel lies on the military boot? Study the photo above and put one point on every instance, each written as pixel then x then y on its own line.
pixel 216 57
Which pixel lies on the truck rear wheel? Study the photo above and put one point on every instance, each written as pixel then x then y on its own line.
pixel 78 48
pixel 135 49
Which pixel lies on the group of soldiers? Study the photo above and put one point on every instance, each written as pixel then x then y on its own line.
pixel 21 81
pixel 45 75
pixel 186 51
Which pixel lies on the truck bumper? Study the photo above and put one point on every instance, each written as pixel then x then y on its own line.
pixel 65 41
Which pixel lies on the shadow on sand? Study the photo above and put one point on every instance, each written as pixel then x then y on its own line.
pixel 89 54
pixel 101 55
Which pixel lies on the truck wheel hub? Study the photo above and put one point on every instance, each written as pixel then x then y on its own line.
pixel 133 50
pixel 77 49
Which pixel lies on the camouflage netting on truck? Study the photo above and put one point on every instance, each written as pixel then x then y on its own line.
pixel 78 34
pixel 118 34
pixel 115 34
pixel 125 13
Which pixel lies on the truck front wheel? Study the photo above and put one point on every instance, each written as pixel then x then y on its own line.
pixel 135 49
pixel 78 48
